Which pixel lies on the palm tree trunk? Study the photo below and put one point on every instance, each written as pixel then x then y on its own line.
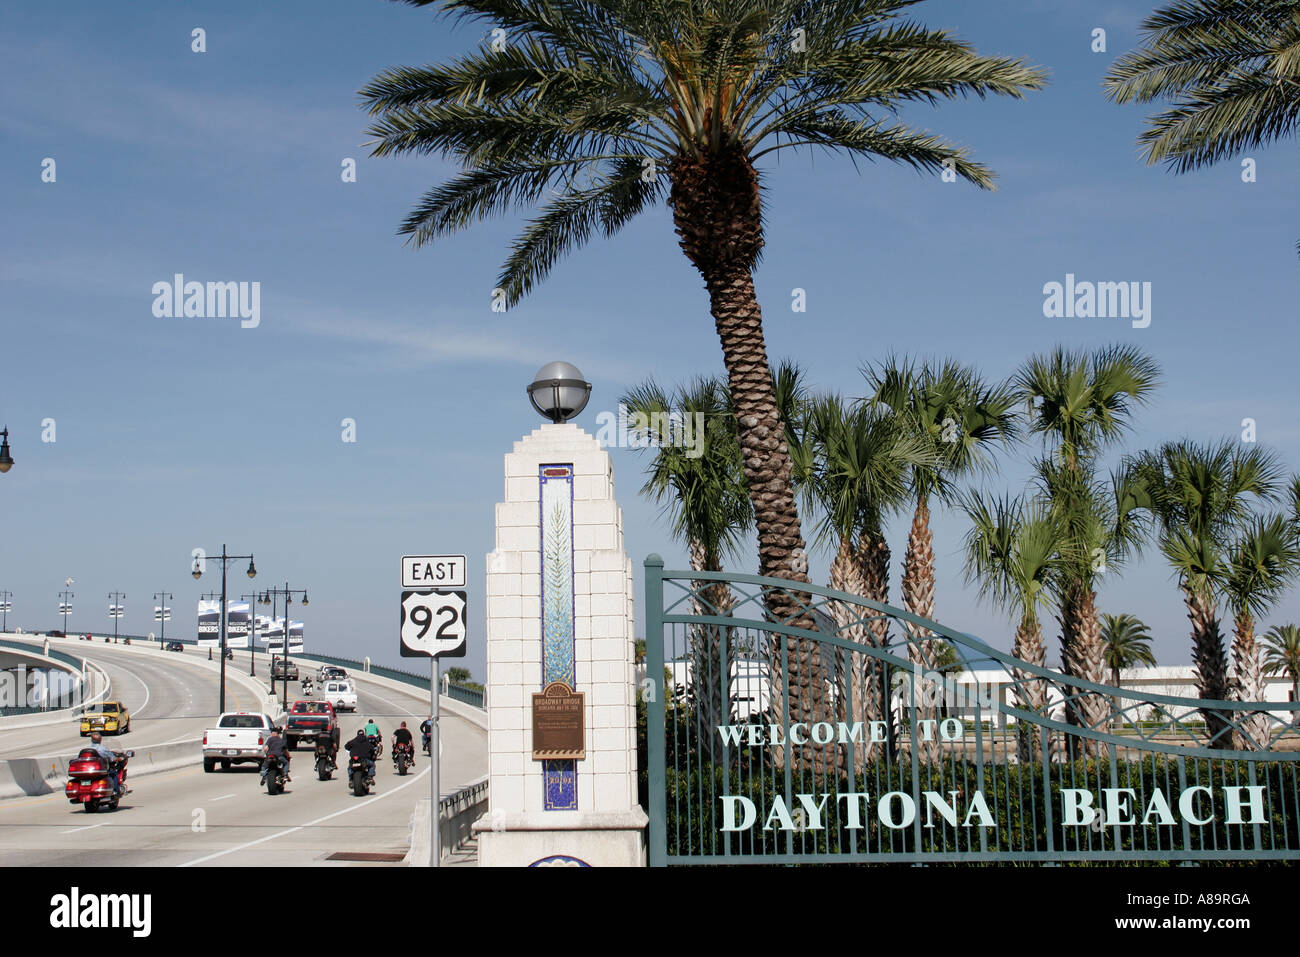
pixel 717 211
pixel 1083 655
pixel 709 688
pixel 1210 662
pixel 857 698
pixel 1032 692
pixel 873 559
pixel 918 598
pixel 1248 685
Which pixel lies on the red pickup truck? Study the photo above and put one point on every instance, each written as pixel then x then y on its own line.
pixel 310 720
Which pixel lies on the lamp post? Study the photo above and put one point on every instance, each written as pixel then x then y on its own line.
pixel 6 460
pixel 252 600
pixel 559 392
pixel 65 607
pixel 115 611
pixel 197 572
pixel 6 605
pixel 162 614
pixel 288 593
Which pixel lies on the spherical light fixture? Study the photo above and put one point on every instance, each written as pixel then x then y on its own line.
pixel 252 571
pixel 559 392
pixel 6 460
pixel 198 572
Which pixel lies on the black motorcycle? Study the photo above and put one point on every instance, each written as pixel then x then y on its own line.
pixel 357 776
pixel 425 738
pixel 277 773
pixel 325 763
pixel 402 757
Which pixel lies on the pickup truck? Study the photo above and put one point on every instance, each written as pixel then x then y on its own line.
pixel 238 738
pixel 280 671
pixel 342 694
pixel 309 720
pixel 107 717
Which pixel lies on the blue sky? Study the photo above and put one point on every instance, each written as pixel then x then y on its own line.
pixel 172 434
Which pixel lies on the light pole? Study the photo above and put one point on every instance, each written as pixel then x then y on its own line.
pixel 198 573
pixel 288 594
pixel 163 614
pixel 252 600
pixel 115 611
pixel 6 460
pixel 65 607
pixel 5 607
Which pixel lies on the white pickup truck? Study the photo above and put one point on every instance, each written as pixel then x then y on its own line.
pixel 239 737
pixel 341 693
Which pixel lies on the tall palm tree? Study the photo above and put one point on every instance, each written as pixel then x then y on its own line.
pixel 1013 555
pixel 1229 70
pixel 1127 644
pixel 1263 563
pixel 957 418
pixel 862 461
pixel 700 485
pixel 1200 497
pixel 597 110
pixel 1282 654
pixel 1081 402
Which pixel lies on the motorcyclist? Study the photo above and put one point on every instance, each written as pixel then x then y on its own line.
pixel 426 729
pixel 276 748
pixel 326 744
pixel 112 759
pixel 362 747
pixel 376 736
pixel 403 736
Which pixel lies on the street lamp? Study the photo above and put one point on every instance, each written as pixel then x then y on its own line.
pixel 271 594
pixel 252 629
pixel 65 607
pixel 559 392
pixel 163 614
pixel 115 611
pixel 225 560
pixel 6 460
pixel 5 607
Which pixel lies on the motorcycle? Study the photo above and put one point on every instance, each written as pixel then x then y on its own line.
pixel 306 687
pixel 425 736
pixel 325 763
pixel 357 776
pixel 277 773
pixel 402 757
pixel 90 781
pixel 377 743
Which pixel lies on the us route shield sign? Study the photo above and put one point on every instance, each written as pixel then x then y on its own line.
pixel 433 624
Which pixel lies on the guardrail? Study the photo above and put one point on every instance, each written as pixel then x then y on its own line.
pixel 469 696
pixel 75 664
pixel 458 812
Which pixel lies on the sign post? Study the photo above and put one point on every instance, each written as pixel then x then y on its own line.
pixel 433 626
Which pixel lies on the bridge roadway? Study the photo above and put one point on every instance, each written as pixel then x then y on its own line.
pixel 188 818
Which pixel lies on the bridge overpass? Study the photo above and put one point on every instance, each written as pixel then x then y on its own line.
pixel 177 815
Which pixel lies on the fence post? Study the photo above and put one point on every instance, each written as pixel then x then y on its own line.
pixel 657 842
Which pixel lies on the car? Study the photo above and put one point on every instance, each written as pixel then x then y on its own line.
pixel 330 673
pixel 280 671
pixel 175 646
pixel 309 720
pixel 107 717
pixel 55 634
pixel 239 738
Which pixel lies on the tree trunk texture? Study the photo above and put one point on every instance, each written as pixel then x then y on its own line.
pixel 1210 661
pixel 710 685
pixel 857 698
pixel 873 558
pixel 717 212
pixel 1252 732
pixel 1083 655
pixel 918 598
pixel 1029 647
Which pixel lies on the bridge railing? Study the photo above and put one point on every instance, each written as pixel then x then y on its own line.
pixel 837 734
pixel 471 696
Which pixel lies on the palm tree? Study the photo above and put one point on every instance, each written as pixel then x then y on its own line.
pixel 596 111
pixel 1282 654
pixel 1262 565
pixel 1082 402
pixel 1229 70
pixel 701 486
pixel 1127 644
pixel 1200 498
pixel 862 461
pixel 957 418
pixel 1013 554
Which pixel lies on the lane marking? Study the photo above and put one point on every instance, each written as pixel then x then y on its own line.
pixel 300 827
pixel 86 828
pixel 223 797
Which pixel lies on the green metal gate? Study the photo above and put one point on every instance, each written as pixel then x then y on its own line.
pixel 772 743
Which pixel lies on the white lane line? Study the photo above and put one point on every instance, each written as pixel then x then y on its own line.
pixel 86 828
pixel 223 797
pixel 319 820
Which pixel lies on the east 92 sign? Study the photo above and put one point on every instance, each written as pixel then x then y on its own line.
pixel 433 624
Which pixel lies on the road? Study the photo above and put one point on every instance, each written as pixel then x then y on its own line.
pixel 189 818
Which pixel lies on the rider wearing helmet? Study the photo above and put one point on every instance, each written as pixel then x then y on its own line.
pixel 403 736
pixel 275 748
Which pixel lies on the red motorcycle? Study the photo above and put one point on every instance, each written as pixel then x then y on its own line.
pixel 90 780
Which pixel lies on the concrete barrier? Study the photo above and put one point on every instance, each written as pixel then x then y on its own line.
pixel 459 811
pixel 28 777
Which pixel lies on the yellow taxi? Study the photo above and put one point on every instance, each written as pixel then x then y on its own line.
pixel 107 717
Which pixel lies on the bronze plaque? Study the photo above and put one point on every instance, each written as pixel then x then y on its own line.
pixel 558 731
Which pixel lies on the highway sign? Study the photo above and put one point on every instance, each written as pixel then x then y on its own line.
pixel 433 571
pixel 433 624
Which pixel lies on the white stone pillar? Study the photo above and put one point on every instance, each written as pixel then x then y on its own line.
pixel 607 826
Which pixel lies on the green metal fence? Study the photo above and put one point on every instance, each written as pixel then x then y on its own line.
pixel 834 736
